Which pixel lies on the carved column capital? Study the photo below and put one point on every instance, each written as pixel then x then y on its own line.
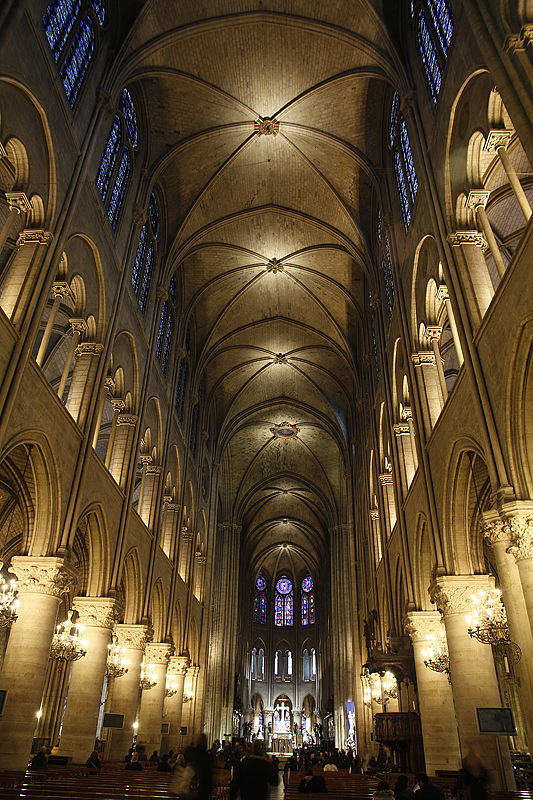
pixel 105 101
pixel 178 665
pixel 434 332
pixel 401 428
pixel 161 293
pixel 34 236
pixel 133 637
pixel 127 419
pixel 442 293
pixel 421 624
pixel 43 575
pixel 407 413
pixel 385 479
pixel 18 201
pixel 424 357
pixel 60 289
pixel 88 349
pixel 79 326
pixel 493 528
pixel 467 237
pixel 118 404
pixel 477 198
pixel 374 513
pixel 97 612
pixel 138 215
pixel 407 102
pixel 452 593
pixel 157 652
pixel 497 139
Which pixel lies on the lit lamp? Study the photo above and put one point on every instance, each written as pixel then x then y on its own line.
pixel 488 621
pixel 171 686
pixel 436 657
pixel 117 664
pixel 148 676
pixel 67 642
pixel 187 696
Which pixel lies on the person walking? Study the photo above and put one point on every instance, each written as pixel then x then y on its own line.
pixel 252 776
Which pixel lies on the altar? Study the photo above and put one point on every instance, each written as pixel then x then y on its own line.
pixel 282 743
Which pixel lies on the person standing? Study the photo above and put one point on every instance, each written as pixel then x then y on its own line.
pixel 253 775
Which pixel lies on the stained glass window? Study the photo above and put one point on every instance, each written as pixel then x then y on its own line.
pixel 119 188
pixel 306 665
pixel 402 190
pixel 277 660
pixel 284 603
pixel 393 118
pixel 412 180
pixel 288 658
pixel 379 225
pixel 261 664
pixel 443 21
pixel 130 116
pixel 161 331
pixel 375 346
pixel 139 257
pixel 109 156
pixel 254 664
pixel 147 276
pixel 173 290
pixel 166 347
pixel 260 600
pixel 388 279
pixel 58 20
pixel 429 57
pixel 77 59
pixel 308 606
pixel 99 10
pixel 154 215
pixel 313 664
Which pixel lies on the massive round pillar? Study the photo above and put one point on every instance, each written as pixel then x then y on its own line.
pixel 151 711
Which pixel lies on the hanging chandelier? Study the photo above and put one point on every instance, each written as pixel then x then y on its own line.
pixel 8 602
pixel 148 677
pixel 436 657
pixel 187 696
pixel 488 621
pixel 117 664
pixel 67 641
pixel 171 686
pixel 379 689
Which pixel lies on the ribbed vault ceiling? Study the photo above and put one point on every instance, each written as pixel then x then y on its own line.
pixel 270 236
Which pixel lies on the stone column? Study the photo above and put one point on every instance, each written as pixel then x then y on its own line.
pixel 118 465
pixel 477 200
pixel 472 671
pixel 499 534
pixel 518 517
pixel 118 407
pixel 170 527
pixel 32 245
pixel 433 333
pixel 184 555
pixel 376 535
pixel 78 329
pixel 78 735
pixel 431 398
pixel 403 440
pixel 125 691
pixel 148 497
pixel 42 582
pixel 173 706
pixel 18 204
pixel 468 249
pixel 437 712
pixel 199 575
pixel 443 296
pixel 387 489
pixel 87 355
pixel 60 290
pixel 497 142
pixel 151 710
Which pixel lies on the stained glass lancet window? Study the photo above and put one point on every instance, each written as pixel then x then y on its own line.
pixel 99 10
pixel 443 21
pixel 404 165
pixel 119 188
pixel 308 601
pixel 183 375
pixel 284 602
pixel 261 664
pixel 58 20
pixel 77 59
pixel 430 59
pixel 434 24
pixel 109 156
pixel 388 279
pixel 130 116
pixel 260 600
pixel 144 259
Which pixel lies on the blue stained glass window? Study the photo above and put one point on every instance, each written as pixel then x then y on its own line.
pixel 412 180
pixel 179 385
pixel 311 609
pixel 99 10
pixel 263 609
pixel 379 225
pixel 139 256
pixel 278 611
pixel 386 286
pixel 393 118
pixel 147 276
pixel 117 195
pixel 284 586
pixel 402 189
pixel 260 583
pixel 161 331
pixel 284 604
pixel 375 346
pixel 308 607
pixel 78 57
pixel 444 22
pixel 188 341
pixel 260 600
pixel 429 57
pixel 154 215
pixel 173 289
pixel 130 116
pixel 289 609
pixel 305 609
pixel 109 156
pixel 58 19
pixel 307 584
pixel 306 670
pixel 166 347
pixel 389 268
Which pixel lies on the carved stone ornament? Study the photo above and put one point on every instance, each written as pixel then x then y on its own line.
pixel 177 665
pixel 407 413
pixel 118 404
pixel 452 594
pixel 285 431
pixel 366 364
pixel 274 266
pixel 421 624
pixel 442 293
pixel 158 652
pixel 497 139
pixel 161 293
pixel 200 559
pixel 60 289
pixel 375 300
pixel 105 100
pixel 520 530
pixel 477 198
pixel 193 672
pixel 97 612
pixel 186 536
pixel 34 236
pixel 374 514
pixel 385 479
pixel 280 359
pixel 467 237
pixel 127 419
pixel 43 575
pixel 493 527
pixel 153 469
pixel 407 102
pixel 424 357
pixel 434 332
pixel 266 126
pixel 519 41
pixel 88 349
pixel 79 326
pixel 133 637
pixel 18 201
pixel 138 215
pixel 401 428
